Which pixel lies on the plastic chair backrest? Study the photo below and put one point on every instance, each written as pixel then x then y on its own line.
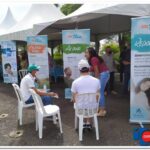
pixel 38 101
pixel 18 92
pixel 86 104
pixel 22 73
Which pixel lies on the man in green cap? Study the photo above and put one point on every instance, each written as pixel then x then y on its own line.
pixel 29 82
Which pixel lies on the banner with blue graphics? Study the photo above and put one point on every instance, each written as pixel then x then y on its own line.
pixel 37 47
pixel 9 61
pixel 75 43
pixel 140 70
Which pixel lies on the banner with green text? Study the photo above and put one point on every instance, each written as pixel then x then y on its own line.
pixel 75 43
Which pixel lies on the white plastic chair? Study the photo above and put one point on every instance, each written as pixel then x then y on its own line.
pixel 44 111
pixel 21 102
pixel 22 73
pixel 86 106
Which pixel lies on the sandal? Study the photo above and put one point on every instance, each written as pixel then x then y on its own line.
pixel 102 113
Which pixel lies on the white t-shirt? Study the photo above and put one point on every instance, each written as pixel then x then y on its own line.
pixel 26 83
pixel 85 84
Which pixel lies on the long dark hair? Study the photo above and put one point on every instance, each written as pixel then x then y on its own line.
pixel 93 53
pixel 147 92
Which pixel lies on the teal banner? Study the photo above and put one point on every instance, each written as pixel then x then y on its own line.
pixel 141 42
pixel 140 70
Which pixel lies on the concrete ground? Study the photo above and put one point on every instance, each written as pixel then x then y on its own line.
pixel 114 129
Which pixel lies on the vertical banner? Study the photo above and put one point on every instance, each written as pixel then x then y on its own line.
pixel 140 70
pixel 75 43
pixel 37 47
pixel 9 61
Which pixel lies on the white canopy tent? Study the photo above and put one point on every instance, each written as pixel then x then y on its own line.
pixel 103 20
pixel 38 13
pixel 8 22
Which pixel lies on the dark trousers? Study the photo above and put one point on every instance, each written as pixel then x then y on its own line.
pixel 121 72
pixel 126 82
pixel 121 76
pixel 110 84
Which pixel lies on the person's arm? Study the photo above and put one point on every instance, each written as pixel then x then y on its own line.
pixel 98 95
pixel 42 93
pixel 74 91
pixel 74 97
pixel 127 58
pixel 95 63
pixel 126 62
pixel 96 71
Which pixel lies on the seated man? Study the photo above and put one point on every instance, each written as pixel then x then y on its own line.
pixel 85 84
pixel 29 82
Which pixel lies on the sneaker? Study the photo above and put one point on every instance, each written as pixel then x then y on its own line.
pixel 114 92
pixel 50 118
pixel 84 126
pixel 89 126
pixel 105 93
pixel 102 113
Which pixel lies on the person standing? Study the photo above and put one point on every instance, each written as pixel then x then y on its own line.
pixel 24 61
pixel 100 71
pixel 121 63
pixel 109 61
pixel 126 67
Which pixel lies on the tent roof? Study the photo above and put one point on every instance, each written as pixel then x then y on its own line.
pixel 103 20
pixel 7 22
pixel 81 10
pixel 120 9
pixel 38 13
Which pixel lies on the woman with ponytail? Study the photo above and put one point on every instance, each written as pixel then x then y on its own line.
pixel 100 71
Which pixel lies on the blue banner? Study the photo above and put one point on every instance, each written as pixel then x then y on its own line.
pixel 140 70
pixel 9 61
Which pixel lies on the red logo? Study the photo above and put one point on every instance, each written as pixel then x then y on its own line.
pixel 146 136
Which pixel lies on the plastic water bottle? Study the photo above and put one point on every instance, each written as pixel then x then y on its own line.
pixel 36 85
pixel 45 87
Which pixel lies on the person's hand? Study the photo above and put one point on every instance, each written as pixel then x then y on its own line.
pixel 126 62
pixel 53 94
pixel 73 100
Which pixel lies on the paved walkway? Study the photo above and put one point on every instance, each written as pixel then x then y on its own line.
pixel 115 128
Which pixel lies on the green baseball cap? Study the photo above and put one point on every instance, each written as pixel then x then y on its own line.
pixel 33 67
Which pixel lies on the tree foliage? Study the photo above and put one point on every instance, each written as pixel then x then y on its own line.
pixel 123 38
pixel 113 45
pixel 69 8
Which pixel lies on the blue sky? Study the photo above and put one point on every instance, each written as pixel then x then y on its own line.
pixel 18 10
